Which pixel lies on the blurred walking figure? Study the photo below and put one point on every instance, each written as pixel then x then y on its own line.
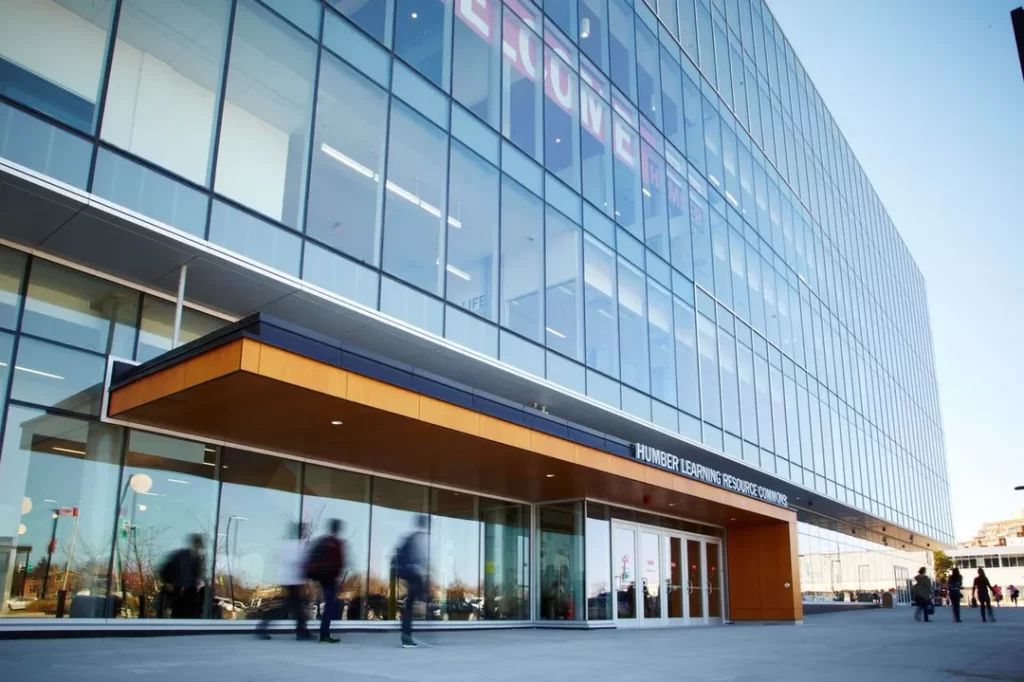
pixel 982 588
pixel 997 594
pixel 181 574
pixel 1014 594
pixel 291 575
pixel 923 595
pixel 411 566
pixel 956 587
pixel 324 565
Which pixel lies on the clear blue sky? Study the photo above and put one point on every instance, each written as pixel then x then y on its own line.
pixel 930 97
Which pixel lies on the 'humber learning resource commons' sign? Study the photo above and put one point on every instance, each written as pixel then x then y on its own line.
pixel 706 474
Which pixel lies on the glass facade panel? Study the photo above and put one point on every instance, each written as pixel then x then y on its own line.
pixel 633 327
pixel 423 37
pixel 156 328
pixel 522 261
pixel 522 108
pixel 561 114
pixel 600 307
pixel 476 65
pixel 561 559
pixel 506 560
pixel 472 269
pixel 563 260
pixel 710 392
pixel 623 47
pixel 663 366
pixel 595 148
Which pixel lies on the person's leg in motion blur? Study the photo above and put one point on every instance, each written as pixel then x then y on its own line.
pixel 330 599
pixel 298 609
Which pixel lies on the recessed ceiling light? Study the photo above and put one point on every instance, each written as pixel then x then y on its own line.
pixel 671 504
pixel 337 422
pixel 732 519
pixel 414 15
pixel 550 475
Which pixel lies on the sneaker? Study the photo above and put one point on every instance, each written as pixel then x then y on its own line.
pixel 329 640
pixel 409 644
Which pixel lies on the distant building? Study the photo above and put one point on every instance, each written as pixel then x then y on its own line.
pixel 999 533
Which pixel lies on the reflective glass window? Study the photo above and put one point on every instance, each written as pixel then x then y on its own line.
pixel 598 548
pixel 80 310
pixel 269 97
pixel 57 376
pixel 595 147
pixel 722 63
pixel 601 308
pixel 771 305
pixel 720 254
pixel 633 348
pixel 12 271
pixel 653 188
pixel 764 404
pixel 561 114
pixel 157 327
pixel 165 82
pixel 476 65
pixel 705 43
pixel 623 47
pixel 254 238
pixel 58 488
pixel 376 17
pixel 792 421
pixel 423 37
pixel 746 168
pixel 713 145
pixel 679 222
pixel 454 572
pixel 346 195
pixel 700 230
pixel 396 507
pixel 58 70
pixel 687 382
pixel 628 197
pixel 737 262
pixel 564 285
pixel 694 119
pixel 648 74
pixel 472 268
pixel 560 529
pixel 672 101
pixel 688 28
pixel 522 70
pixel 31 142
pixel 748 400
pixel 506 538
pixel 667 12
pixel 522 261
pixel 414 225
pixel 730 167
pixel 778 413
pixel 711 396
pixel 663 366
pixel 730 389
pixel 594 31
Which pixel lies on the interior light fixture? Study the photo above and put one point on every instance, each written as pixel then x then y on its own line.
pixel 177 480
pixel 70 451
pixel 143 507
pixel 647 192
pixel 558 140
pixel 555 332
pixel 458 273
pixel 549 475
pixel 39 373
pixel 337 422
pixel 585 27
pixel 671 504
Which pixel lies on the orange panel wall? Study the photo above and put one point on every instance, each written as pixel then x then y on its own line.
pixel 762 561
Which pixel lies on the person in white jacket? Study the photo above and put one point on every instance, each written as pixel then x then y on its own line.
pixel 291 575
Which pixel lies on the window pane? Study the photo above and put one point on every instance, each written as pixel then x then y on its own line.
pixel 396 507
pixel 748 406
pixel 81 310
pixel 561 561
pixel 599 550
pixel 12 270
pixel 601 308
pixel 522 256
pixel 700 231
pixel 455 529
pixel 416 185
pixel 561 118
pixel 423 37
pixel 476 76
pixel 521 113
pixel 56 376
pixel 623 47
pixel 688 28
pixel 663 366
pixel 713 145
pixel 648 74
pixel 259 505
pixel 564 266
pixel 68 467
pixel 334 494
pixel 679 223
pixel 254 238
pixel 628 197
pixel 506 560
pixel 346 194
pixel 165 81
pixel 707 343
pixel 672 101
pixel 181 500
pixel 633 327
pixel 596 154
pixel 706 44
pixel 594 31
pixel 740 295
pixel 730 389
pixel 472 268
pixel 654 200
pixel 38 69
pixel 694 117
pixel 720 253
pixel 687 383
pixel 667 12
pixel 28 141
pixel 373 16
pixel 269 97
pixel 157 328
pixel 764 404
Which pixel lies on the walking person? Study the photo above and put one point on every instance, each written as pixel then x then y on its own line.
pixel 1014 593
pixel 181 574
pixel 956 587
pixel 997 595
pixel 923 594
pixel 291 575
pixel 411 566
pixel 981 591
pixel 325 564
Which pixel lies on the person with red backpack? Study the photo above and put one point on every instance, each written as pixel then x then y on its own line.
pixel 324 566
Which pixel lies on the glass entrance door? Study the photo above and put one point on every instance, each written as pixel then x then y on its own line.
pixel 624 574
pixel 675 558
pixel 713 559
pixel 695 580
pixel 651 592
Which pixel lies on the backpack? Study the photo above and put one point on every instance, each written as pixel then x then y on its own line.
pixel 319 562
pixel 171 568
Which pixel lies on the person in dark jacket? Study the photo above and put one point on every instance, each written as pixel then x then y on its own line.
pixel 181 574
pixel 411 566
pixel 922 594
pixel 982 591
pixel 325 564
pixel 956 587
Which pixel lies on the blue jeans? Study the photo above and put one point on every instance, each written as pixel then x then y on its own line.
pixel 330 593
pixel 413 594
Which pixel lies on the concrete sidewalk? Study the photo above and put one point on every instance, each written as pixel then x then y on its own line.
pixel 862 647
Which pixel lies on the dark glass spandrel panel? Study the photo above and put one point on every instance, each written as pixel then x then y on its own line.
pixel 454 585
pixel 170 494
pixel 633 346
pixel 423 37
pixel 157 329
pixel 150 193
pixel 397 506
pixel 472 269
pixel 522 120
pixel 334 494
pixel 58 483
pixel 506 560
pixel 623 47
pixel 254 238
pixel 564 285
pixel 161 103
pixel 522 258
pixel 269 96
pixel 561 561
pixel 594 31
pixel 259 510
pixel 339 275
pixel 346 192
pixel 38 69
pixel 476 65
pixel 600 306
pixel 12 273
pixel 81 310
pixel 414 225
pixel 28 141
pixel 376 17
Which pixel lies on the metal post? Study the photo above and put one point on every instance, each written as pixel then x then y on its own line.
pixel 178 305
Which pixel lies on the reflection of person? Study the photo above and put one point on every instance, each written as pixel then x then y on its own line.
pixel 1014 594
pixel 997 594
pixel 326 561
pixel 410 563
pixel 982 588
pixel 181 574
pixel 922 594
pixel 290 575
pixel 956 586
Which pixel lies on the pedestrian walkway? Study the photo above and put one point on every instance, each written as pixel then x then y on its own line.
pixel 869 646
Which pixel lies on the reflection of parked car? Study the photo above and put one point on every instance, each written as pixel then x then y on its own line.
pixel 18 604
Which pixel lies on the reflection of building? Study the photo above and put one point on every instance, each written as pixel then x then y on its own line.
pixel 999 533
pixel 629 325
pixel 1004 565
